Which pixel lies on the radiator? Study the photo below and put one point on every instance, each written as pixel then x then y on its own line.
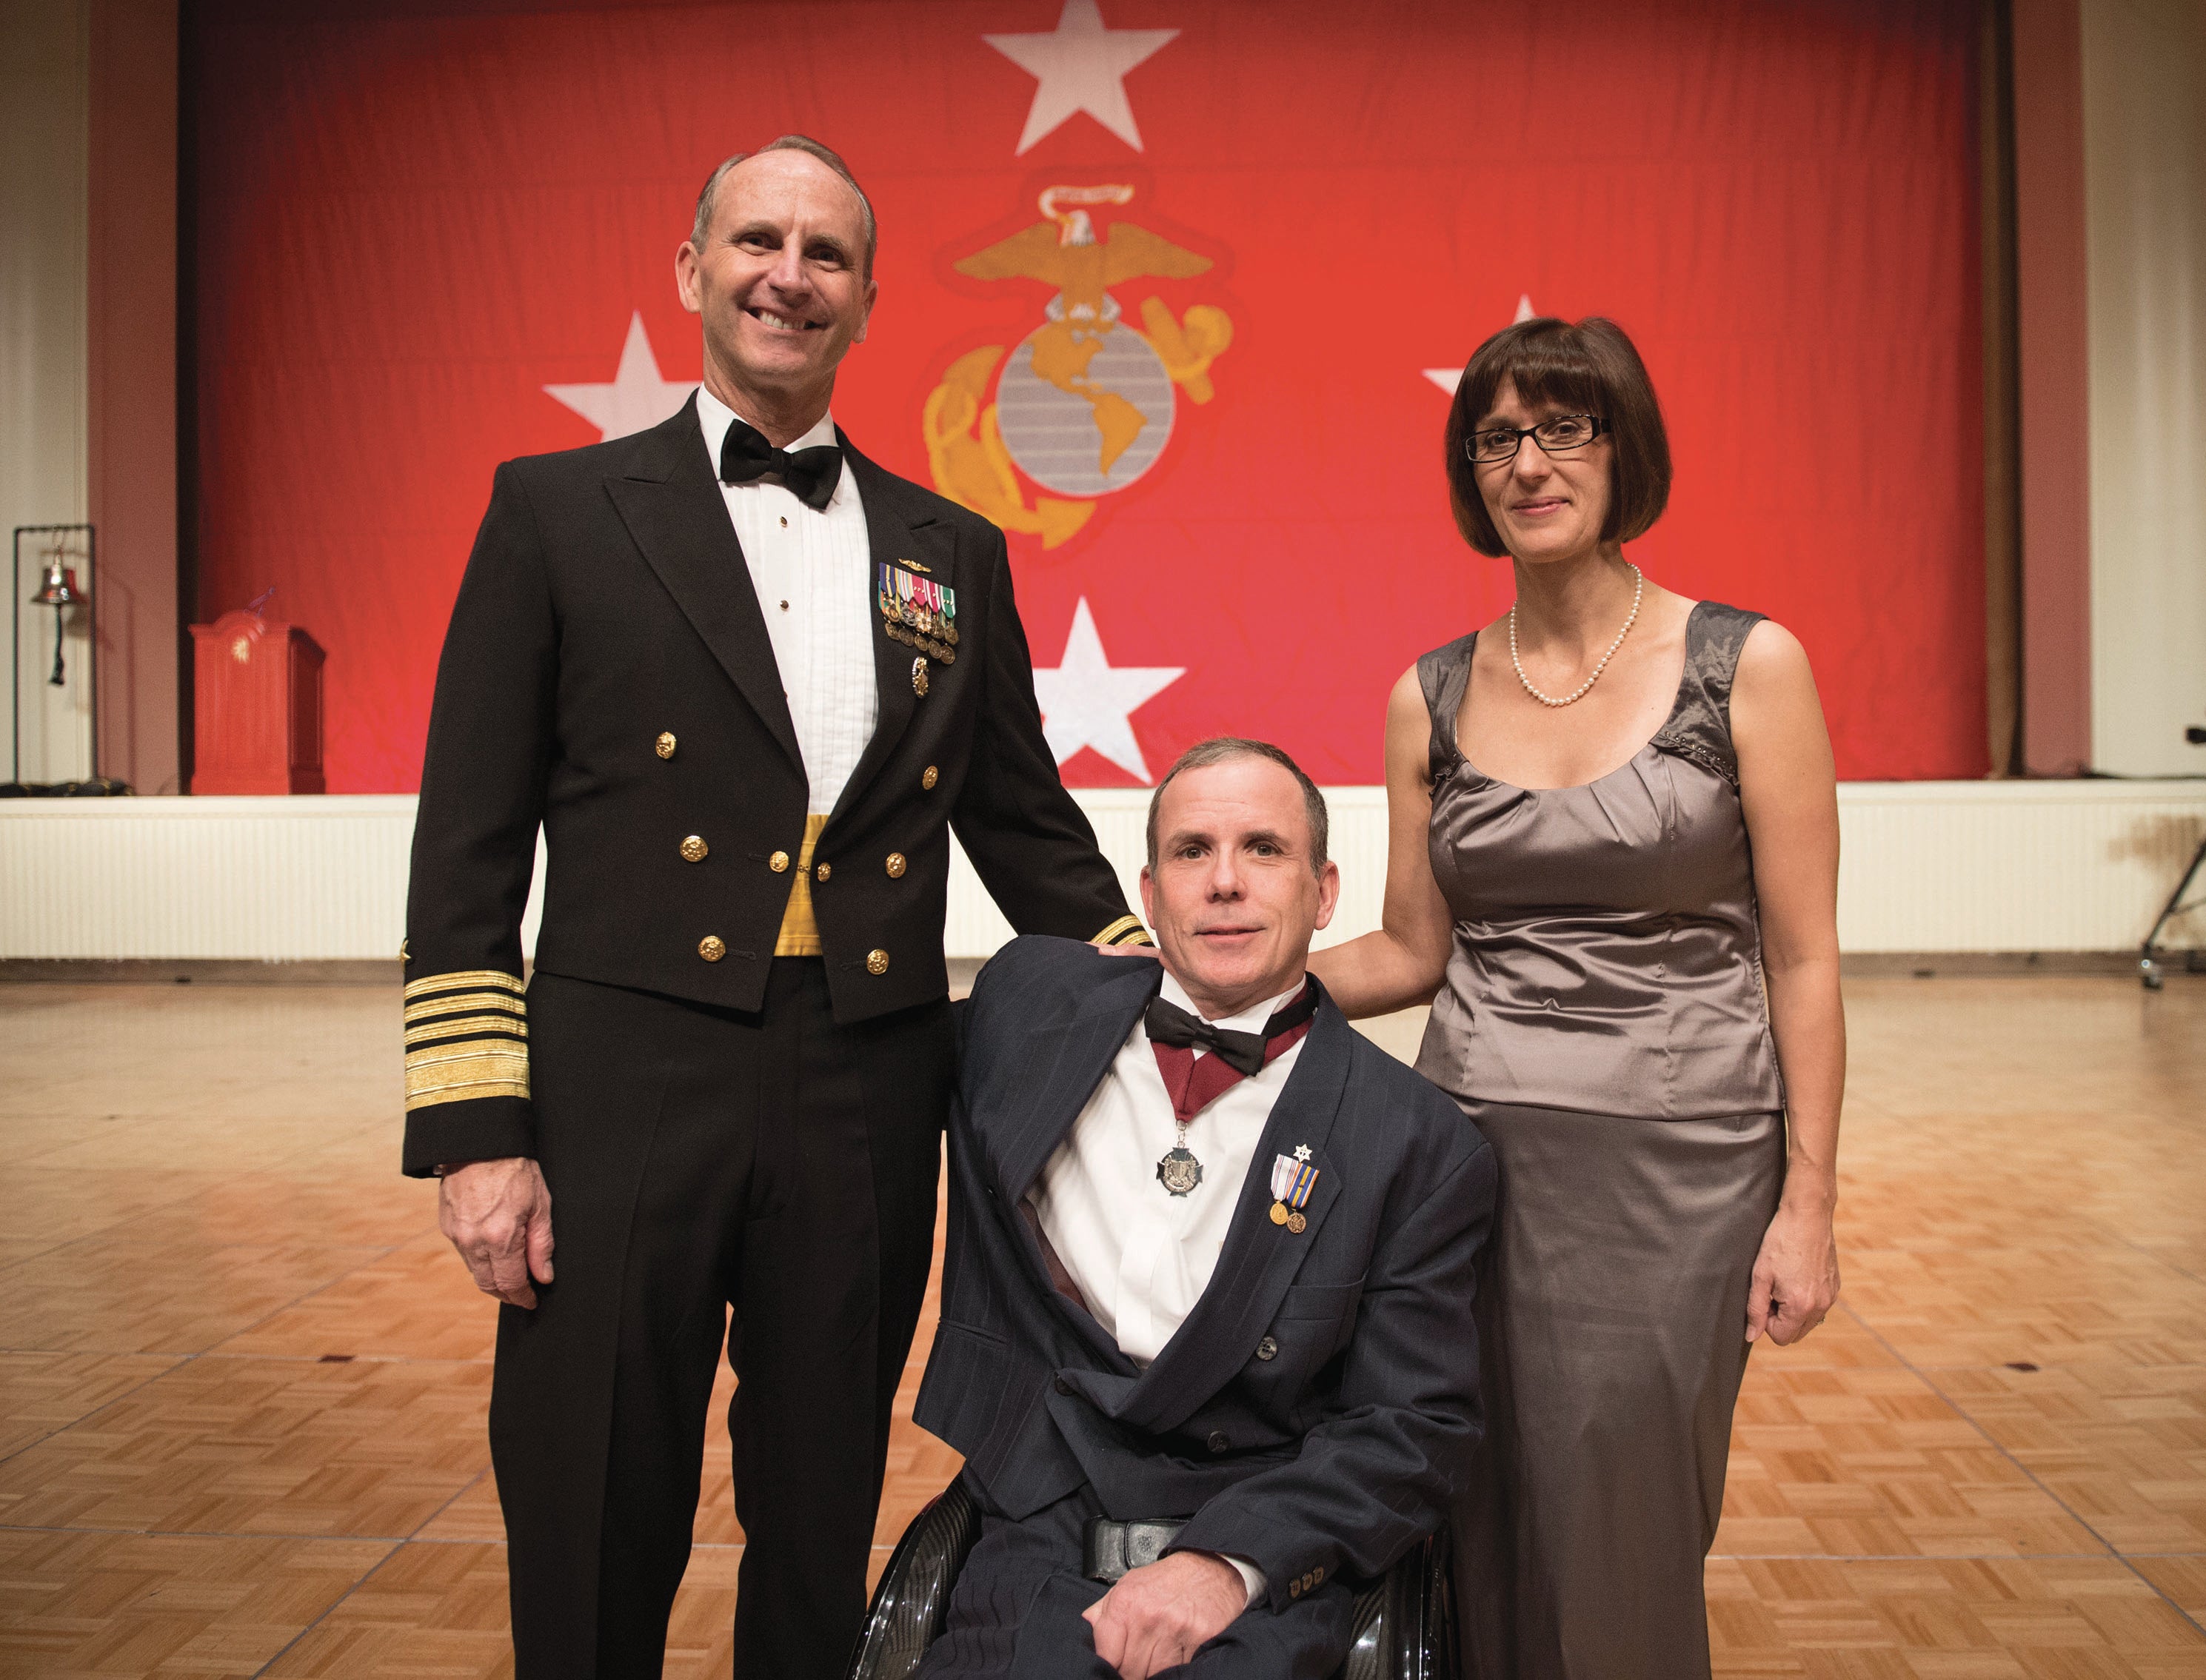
pixel 1958 866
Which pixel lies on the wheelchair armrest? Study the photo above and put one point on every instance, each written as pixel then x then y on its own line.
pixel 1404 1625
pixel 912 1599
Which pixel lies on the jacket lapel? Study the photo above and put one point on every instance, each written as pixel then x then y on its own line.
pixel 898 527
pixel 1079 1052
pixel 671 505
pixel 1020 1136
pixel 1260 1259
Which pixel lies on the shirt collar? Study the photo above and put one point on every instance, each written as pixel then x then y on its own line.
pixel 1251 1020
pixel 715 416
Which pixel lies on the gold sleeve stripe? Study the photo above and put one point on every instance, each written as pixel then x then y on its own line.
pixel 465 1000
pixel 467 1037
pixel 461 1093
pixel 482 1068
pixel 1125 931
pixel 466 977
pixel 467 1026
pixel 460 1052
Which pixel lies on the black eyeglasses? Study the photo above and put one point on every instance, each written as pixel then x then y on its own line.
pixel 1557 436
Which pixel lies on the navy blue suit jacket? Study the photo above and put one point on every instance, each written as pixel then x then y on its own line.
pixel 1339 1452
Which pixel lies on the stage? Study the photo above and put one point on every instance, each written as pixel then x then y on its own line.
pixel 242 1378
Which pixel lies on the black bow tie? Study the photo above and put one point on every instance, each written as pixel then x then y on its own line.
pixel 811 474
pixel 1173 1027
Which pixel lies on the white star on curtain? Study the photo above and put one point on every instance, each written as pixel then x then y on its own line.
pixel 637 400
pixel 1447 378
pixel 1079 65
pixel 1087 701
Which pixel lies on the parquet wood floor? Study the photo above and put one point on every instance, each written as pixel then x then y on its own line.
pixel 242 1380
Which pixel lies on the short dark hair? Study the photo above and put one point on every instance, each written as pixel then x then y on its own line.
pixel 1221 749
pixel 701 228
pixel 1591 368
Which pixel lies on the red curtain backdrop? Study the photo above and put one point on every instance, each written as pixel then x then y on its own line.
pixel 411 219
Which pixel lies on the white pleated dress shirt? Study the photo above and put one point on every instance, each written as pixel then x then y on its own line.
pixel 814 574
pixel 1140 1255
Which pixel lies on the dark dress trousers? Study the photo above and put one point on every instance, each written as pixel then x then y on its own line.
pixel 718 1125
pixel 1312 1415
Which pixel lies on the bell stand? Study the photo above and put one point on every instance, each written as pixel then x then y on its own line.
pixel 2149 972
pixel 16 641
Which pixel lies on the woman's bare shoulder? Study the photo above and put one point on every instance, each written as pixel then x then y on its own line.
pixel 1773 661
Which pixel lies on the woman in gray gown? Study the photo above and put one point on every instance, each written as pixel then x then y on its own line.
pixel 1614 857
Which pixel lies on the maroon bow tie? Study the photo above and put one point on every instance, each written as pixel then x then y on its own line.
pixel 1194 1083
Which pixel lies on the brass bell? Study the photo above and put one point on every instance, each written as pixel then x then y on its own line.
pixel 58 590
pixel 59 587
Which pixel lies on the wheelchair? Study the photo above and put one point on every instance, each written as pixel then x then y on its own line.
pixel 1404 1628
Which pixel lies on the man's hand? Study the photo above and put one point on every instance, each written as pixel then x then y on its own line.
pixel 1795 1276
pixel 1123 950
pixel 499 1215
pixel 1156 1616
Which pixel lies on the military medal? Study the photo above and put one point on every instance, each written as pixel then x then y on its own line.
pixel 918 677
pixel 918 612
pixel 1293 1179
pixel 1178 1172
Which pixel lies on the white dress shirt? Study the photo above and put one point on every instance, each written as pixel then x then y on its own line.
pixel 1140 1256
pixel 814 575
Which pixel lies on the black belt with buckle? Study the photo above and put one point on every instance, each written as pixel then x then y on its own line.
pixel 1109 1550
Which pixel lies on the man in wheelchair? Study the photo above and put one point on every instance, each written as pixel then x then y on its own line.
pixel 1206 1340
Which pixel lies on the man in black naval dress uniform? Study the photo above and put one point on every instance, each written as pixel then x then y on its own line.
pixel 748 681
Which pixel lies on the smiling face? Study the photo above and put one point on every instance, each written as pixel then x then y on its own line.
pixel 1545 507
pixel 780 281
pixel 1232 896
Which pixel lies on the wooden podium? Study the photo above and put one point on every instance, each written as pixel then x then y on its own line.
pixel 257 685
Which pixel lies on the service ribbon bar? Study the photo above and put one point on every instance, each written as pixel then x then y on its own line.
pixel 1292 1181
pixel 467 1037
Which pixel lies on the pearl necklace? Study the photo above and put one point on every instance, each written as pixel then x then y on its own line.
pixel 1637 590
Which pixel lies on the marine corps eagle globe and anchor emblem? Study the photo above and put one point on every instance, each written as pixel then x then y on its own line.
pixel 1084 404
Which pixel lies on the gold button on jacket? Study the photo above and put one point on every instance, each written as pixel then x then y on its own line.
pixel 895 865
pixel 665 745
pixel 694 849
pixel 777 863
pixel 824 871
pixel 929 777
pixel 877 961
pixel 711 948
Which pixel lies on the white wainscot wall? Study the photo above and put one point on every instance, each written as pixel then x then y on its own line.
pixel 1928 867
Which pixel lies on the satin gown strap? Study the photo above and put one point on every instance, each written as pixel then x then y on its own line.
pixel 1444 674
pixel 1699 726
